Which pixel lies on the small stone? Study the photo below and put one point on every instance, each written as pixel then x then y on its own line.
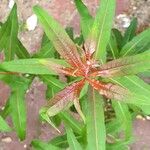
pixel 7 140
pixel 134 8
pixel 139 117
pixel 25 145
pixel 148 117
pixel 3 108
pixel 11 4
pixel 31 22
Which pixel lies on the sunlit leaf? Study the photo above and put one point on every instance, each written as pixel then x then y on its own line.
pixel 4 127
pixel 12 25
pixel 34 66
pixel 125 66
pixel 96 134
pixel 138 44
pixel 100 33
pixel 86 20
pixel 61 41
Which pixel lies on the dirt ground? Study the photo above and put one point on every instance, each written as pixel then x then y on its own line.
pixel 65 12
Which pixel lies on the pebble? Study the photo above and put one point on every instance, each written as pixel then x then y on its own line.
pixel 7 140
pixel 11 4
pixel 148 117
pixel 139 117
pixel 31 22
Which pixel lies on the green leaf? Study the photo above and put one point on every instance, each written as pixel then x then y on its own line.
pixel 119 38
pixel 113 46
pixel 124 116
pixel 139 89
pixel 57 35
pixel 138 44
pixel 61 141
pixel 4 126
pixel 113 126
pixel 130 32
pixel 21 51
pixel 4 32
pixel 73 143
pixel 6 111
pixel 86 20
pixel 33 66
pixel 54 85
pixel 125 66
pixel 47 49
pixel 53 82
pixel 17 106
pixel 69 31
pixel 96 134
pixel 11 41
pixel 39 145
pixel 71 121
pixel 101 30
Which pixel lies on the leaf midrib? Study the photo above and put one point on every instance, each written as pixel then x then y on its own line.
pixel 100 34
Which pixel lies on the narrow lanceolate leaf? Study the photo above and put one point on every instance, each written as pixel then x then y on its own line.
pixel 40 145
pixel 4 33
pixel 34 66
pixel 125 66
pixel 73 143
pixel 63 99
pixel 124 117
pixel 21 51
pixel 86 20
pixel 139 89
pixel 99 35
pixel 96 134
pixel 4 127
pixel 130 32
pixel 47 49
pixel 113 46
pixel 71 122
pixel 119 38
pixel 10 46
pixel 109 90
pixel 17 106
pixel 138 44
pixel 57 35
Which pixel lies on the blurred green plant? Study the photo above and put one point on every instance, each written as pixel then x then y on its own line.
pixel 102 68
